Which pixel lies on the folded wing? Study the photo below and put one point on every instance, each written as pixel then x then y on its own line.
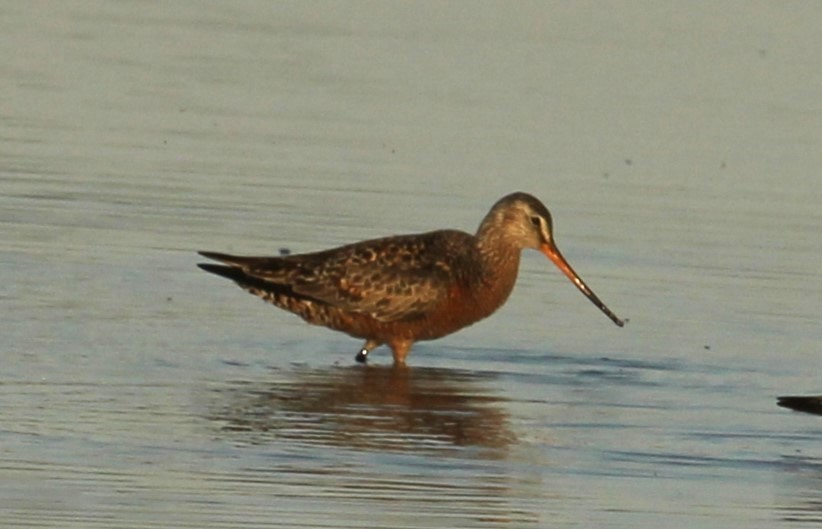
pixel 391 279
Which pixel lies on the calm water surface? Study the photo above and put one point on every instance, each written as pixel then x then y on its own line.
pixel 677 149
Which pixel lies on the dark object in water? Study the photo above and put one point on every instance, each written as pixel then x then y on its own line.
pixel 812 404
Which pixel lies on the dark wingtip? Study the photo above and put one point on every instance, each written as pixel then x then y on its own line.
pixel 811 404
pixel 230 272
pixel 208 267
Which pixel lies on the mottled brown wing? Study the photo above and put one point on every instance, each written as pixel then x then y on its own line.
pixel 389 279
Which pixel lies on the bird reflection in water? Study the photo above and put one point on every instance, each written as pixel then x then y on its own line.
pixel 799 490
pixel 379 408
pixel 803 472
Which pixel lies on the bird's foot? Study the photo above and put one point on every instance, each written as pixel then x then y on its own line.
pixel 362 356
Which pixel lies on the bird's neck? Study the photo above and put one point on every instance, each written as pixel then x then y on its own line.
pixel 495 248
pixel 500 265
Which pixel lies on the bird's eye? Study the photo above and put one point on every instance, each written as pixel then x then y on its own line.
pixel 536 221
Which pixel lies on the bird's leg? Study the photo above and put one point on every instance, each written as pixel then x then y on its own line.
pixel 362 356
pixel 400 348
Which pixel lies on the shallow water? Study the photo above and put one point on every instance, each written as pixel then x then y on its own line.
pixel 677 150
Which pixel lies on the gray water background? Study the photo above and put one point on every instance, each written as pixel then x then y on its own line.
pixel 677 146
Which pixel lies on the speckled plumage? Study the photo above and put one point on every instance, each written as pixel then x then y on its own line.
pixel 402 289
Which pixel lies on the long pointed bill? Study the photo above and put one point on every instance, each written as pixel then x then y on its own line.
pixel 552 252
